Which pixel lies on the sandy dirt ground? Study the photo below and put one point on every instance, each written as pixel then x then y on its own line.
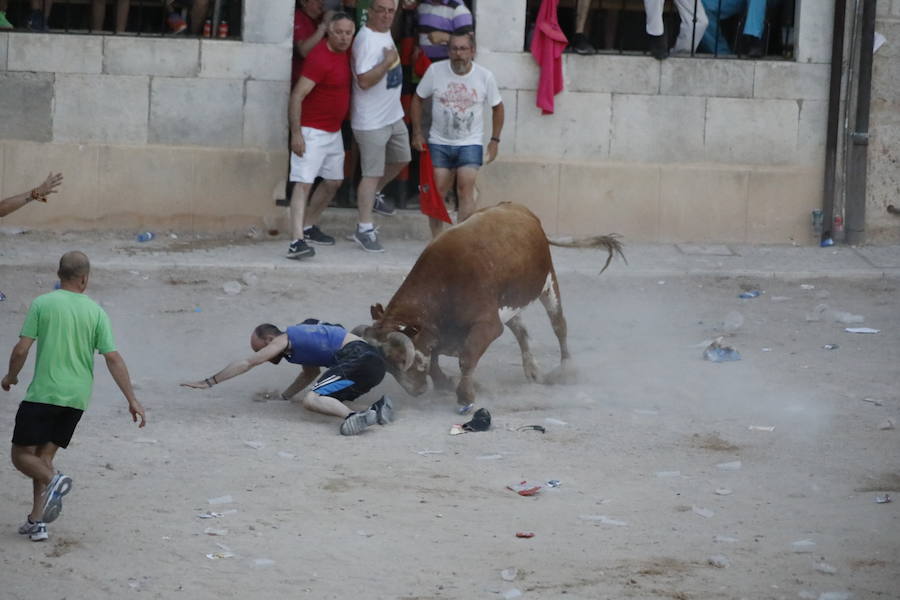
pixel 659 470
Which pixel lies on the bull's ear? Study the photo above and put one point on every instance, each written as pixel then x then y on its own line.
pixel 377 311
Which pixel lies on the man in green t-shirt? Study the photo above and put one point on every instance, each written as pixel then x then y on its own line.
pixel 69 327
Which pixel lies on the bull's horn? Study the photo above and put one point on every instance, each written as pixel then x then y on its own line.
pixel 398 343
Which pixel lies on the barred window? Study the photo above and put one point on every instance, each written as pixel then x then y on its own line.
pixel 191 18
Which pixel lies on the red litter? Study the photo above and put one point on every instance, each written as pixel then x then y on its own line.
pixel 524 488
pixel 524 534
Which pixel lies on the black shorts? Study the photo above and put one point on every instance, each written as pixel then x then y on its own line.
pixel 38 423
pixel 359 367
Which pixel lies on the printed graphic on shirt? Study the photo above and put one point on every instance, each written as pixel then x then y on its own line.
pixel 458 101
pixel 395 75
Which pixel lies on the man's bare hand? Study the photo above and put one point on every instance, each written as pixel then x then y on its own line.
pixel 8 382
pixel 199 385
pixel 491 152
pixel 418 142
pixel 49 186
pixel 298 144
pixel 390 56
pixel 136 411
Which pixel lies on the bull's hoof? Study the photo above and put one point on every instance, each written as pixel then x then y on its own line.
pixel 559 375
pixel 464 409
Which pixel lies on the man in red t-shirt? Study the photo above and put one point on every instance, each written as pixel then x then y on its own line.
pixel 319 103
pixel 309 29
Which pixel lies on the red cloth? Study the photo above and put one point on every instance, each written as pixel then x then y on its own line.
pixel 547 45
pixel 430 201
pixel 421 65
pixel 327 105
pixel 304 27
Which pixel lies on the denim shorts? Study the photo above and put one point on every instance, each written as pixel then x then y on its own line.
pixel 454 157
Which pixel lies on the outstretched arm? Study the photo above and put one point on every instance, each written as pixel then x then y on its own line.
pixel 17 361
pixel 275 348
pixel 39 193
pixel 119 371
pixel 306 376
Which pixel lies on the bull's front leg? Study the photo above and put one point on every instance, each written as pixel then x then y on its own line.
pixel 438 377
pixel 476 343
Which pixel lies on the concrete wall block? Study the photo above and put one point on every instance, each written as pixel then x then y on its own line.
pixel 55 53
pixel 500 34
pixel 657 128
pixel 779 205
pixel 265 114
pixel 610 73
pixel 101 108
pixel 895 8
pixel 703 203
pixel 513 71
pixel 151 56
pixel 812 132
pixel 883 180
pixel 4 44
pixel 760 132
pixel 234 60
pixel 26 164
pixel 532 183
pixel 268 22
pixel 151 200
pixel 579 129
pixel 215 116
pixel 814 28
pixel 791 80
pixel 231 187
pixel 697 77
pixel 26 105
pixel 620 198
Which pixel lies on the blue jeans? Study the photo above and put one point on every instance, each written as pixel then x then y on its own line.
pixel 454 157
pixel 716 10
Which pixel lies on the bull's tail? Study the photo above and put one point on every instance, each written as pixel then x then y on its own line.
pixel 610 242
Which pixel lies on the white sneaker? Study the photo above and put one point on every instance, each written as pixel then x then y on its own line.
pixel 28 526
pixel 39 532
pixel 354 423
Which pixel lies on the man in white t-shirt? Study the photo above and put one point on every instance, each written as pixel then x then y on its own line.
pixel 376 115
pixel 460 90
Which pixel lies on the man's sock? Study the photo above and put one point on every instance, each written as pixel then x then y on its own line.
pixel 360 227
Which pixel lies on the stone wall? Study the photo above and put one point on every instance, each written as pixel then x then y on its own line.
pixel 163 132
pixel 697 149
pixel 883 178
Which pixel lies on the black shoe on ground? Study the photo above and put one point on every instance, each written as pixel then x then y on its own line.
pixel 581 45
pixel 299 249
pixel 314 235
pixel 752 46
pixel 659 47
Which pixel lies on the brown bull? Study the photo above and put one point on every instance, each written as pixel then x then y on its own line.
pixel 467 283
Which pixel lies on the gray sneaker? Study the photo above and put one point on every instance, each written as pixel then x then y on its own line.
pixel 39 532
pixel 59 486
pixel 384 410
pixel 382 206
pixel 368 240
pixel 356 422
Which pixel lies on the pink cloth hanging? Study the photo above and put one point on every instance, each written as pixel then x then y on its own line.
pixel 547 45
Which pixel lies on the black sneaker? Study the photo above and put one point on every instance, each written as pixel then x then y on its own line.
pixel 752 46
pixel 658 45
pixel 315 235
pixel 384 410
pixel 581 45
pixel 382 206
pixel 299 249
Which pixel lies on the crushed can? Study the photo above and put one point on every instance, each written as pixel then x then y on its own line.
pixel 223 29
pixel 207 28
pixel 817 225
pixel 837 229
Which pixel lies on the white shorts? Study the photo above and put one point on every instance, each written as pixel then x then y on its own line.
pixel 324 156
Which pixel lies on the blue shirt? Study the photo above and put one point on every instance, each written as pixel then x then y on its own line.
pixel 314 345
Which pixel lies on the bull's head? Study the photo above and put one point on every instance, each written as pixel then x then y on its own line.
pixel 404 347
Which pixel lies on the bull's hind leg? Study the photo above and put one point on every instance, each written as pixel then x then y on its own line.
pixel 477 341
pixel 550 298
pixel 528 362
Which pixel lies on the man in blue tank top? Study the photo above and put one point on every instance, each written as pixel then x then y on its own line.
pixel 353 367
